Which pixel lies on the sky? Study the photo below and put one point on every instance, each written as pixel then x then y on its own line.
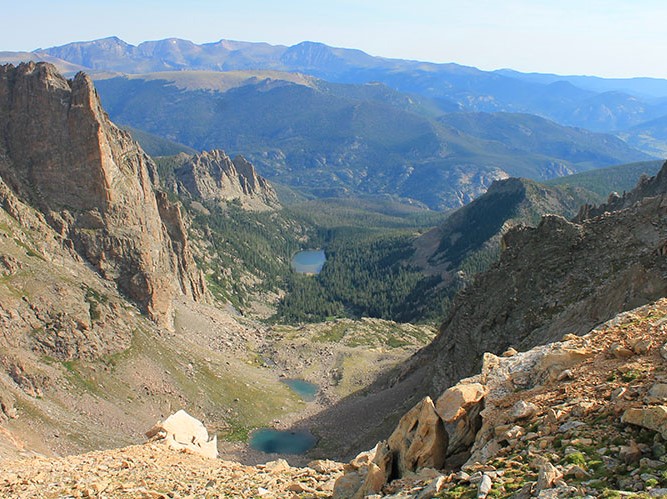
pixel 611 38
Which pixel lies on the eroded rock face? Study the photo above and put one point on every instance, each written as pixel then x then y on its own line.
pixel 559 277
pixel 60 153
pixel 212 175
pixel 419 440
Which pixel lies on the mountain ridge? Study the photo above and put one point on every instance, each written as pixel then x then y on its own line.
pixel 471 88
pixel 559 277
pixel 55 128
pixel 331 138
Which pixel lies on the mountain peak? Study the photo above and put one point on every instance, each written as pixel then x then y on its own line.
pixel 94 184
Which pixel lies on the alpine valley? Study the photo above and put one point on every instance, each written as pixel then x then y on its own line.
pixel 490 319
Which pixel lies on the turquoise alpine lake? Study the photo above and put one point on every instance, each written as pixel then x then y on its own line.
pixel 308 262
pixel 282 442
pixel 303 388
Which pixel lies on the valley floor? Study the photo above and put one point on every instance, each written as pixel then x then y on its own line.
pixel 583 417
pixel 225 370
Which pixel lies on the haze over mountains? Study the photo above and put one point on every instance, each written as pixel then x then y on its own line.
pixel 360 124
pixel 453 85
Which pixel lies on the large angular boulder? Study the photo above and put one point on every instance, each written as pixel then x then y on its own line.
pixel 459 407
pixel 183 432
pixel 366 474
pixel 652 418
pixel 419 440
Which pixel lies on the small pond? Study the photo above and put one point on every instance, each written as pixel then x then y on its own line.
pixel 307 391
pixel 282 442
pixel 308 262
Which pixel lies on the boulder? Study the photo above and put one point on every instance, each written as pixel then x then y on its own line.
pixel 620 352
pixel 419 440
pixel 484 487
pixel 366 474
pixel 547 476
pixel 434 487
pixel 454 402
pixel 459 407
pixel 641 346
pixel 652 418
pixel 558 360
pixel 346 486
pixel 379 470
pixel 658 391
pixel 183 432
pixel 630 453
pixel 523 410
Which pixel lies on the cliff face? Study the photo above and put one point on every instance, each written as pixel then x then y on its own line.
pixel 60 153
pixel 212 175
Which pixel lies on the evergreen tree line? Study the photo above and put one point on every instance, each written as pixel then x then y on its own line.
pixel 246 252
pixel 366 277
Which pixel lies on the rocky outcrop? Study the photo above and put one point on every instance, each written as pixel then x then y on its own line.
pixel 552 431
pixel 646 187
pixel 213 176
pixel 419 440
pixel 559 277
pixel 60 153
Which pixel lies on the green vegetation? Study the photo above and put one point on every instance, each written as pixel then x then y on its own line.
pixel 157 146
pixel 244 252
pixel 370 213
pixel 576 458
pixel 606 180
pixel 364 276
pixel 372 268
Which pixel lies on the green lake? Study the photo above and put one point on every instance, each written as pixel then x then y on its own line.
pixel 307 391
pixel 282 442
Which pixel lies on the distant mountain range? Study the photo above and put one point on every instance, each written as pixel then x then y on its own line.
pixel 333 139
pixel 335 121
pixel 596 103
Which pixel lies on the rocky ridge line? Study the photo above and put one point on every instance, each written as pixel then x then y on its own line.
pixel 557 277
pixel 646 187
pixel 213 176
pixel 581 417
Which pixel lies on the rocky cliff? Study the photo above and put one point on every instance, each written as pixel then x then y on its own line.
pixel 646 187
pixel 213 176
pixel 559 277
pixel 60 153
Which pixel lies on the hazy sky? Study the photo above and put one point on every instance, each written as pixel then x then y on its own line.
pixel 602 37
